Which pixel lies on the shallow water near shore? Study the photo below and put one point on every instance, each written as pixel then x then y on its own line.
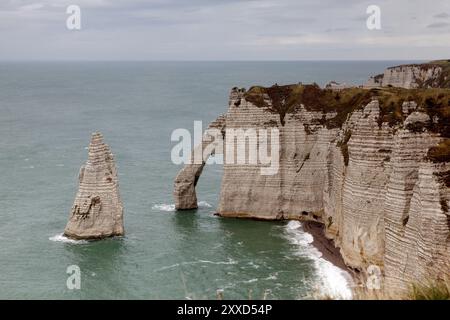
pixel 47 113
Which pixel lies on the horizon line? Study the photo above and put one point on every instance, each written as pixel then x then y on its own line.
pixel 212 60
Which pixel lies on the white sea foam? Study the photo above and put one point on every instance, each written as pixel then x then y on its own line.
pixel 204 204
pixel 252 264
pixel 250 281
pixel 333 281
pixel 230 261
pixel 171 207
pixel 164 207
pixel 61 238
pixel 273 276
pixel 293 225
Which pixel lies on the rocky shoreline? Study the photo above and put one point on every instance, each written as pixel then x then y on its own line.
pixel 325 246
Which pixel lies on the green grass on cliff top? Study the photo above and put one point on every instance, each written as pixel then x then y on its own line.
pixel 441 62
pixel 287 99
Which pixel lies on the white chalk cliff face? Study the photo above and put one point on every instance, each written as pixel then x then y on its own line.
pixel 411 76
pixel 97 211
pixel 368 182
pixel 435 74
pixel 296 190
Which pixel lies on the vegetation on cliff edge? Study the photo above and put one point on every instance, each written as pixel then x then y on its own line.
pixel 441 152
pixel 344 146
pixel 433 290
pixel 288 99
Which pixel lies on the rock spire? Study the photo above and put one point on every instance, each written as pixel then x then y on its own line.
pixel 97 211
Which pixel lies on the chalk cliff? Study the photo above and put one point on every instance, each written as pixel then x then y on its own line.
pixel 434 74
pixel 97 211
pixel 371 165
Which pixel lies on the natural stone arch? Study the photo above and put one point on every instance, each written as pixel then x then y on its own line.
pixel 186 180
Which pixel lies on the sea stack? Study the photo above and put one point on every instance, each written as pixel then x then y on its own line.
pixel 97 211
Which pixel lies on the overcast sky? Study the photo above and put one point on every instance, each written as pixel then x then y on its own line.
pixel 224 30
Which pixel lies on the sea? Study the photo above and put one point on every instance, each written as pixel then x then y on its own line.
pixel 48 111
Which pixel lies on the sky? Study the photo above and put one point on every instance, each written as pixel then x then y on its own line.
pixel 224 30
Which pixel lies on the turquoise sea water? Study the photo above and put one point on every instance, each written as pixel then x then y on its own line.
pixel 47 113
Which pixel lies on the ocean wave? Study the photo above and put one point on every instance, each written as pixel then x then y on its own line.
pixel 171 207
pixel 253 265
pixel 61 238
pixel 250 281
pixel 293 225
pixel 298 236
pixel 230 261
pixel 273 276
pixel 333 281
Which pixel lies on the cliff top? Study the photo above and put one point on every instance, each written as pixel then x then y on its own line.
pixel 435 63
pixel 442 80
pixel 289 99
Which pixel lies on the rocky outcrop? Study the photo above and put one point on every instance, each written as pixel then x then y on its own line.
pixel 97 211
pixel 374 81
pixel 359 166
pixel 435 74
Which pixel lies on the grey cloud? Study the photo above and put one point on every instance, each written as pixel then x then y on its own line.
pixel 442 15
pixel 216 29
pixel 438 25
pixel 331 30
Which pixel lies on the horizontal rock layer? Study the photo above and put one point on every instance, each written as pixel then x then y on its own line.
pixel 97 211
pixel 369 183
pixel 435 74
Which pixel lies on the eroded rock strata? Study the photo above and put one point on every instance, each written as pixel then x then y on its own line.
pixel 371 165
pixel 97 211
pixel 434 74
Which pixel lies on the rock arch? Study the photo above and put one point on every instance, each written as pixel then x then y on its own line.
pixel 186 180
